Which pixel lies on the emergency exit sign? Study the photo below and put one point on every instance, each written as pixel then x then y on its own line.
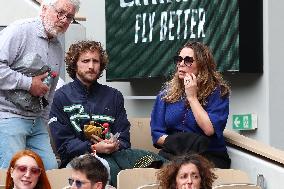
pixel 245 122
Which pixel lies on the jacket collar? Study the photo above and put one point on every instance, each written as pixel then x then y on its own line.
pixel 84 88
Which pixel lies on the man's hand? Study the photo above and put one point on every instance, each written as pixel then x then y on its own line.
pixel 95 139
pixel 38 88
pixel 104 146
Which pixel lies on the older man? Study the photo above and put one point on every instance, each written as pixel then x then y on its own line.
pixel 30 58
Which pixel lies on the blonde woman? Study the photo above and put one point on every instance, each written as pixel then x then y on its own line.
pixel 192 107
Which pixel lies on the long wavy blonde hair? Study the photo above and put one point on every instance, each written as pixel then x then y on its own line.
pixel 207 79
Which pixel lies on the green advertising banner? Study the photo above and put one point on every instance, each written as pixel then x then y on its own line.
pixel 142 36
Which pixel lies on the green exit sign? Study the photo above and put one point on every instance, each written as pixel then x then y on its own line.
pixel 245 122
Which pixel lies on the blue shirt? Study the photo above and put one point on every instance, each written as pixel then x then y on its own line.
pixel 169 118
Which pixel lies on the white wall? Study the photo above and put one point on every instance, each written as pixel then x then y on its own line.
pixel 275 58
pixel 253 166
pixel 16 9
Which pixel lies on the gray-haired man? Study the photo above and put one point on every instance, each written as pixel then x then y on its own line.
pixel 30 58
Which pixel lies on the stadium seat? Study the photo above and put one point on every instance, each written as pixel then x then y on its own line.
pixel 133 178
pixel 58 178
pixel 149 186
pixel 236 186
pixel 229 176
pixel 3 173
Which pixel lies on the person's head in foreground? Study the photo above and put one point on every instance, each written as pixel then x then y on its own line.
pixel 88 173
pixel 187 172
pixel 26 171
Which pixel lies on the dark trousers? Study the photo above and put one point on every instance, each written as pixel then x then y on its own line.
pixel 219 159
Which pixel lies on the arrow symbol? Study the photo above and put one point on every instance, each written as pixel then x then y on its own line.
pixel 237 122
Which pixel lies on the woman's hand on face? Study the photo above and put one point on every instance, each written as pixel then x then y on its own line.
pixel 190 86
pixel 188 186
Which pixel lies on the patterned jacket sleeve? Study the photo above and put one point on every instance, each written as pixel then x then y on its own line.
pixel 68 142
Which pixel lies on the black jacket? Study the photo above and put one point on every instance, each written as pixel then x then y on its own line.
pixel 183 143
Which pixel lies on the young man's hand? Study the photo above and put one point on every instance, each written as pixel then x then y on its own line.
pixel 106 146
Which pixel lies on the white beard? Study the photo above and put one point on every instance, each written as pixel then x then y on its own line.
pixel 50 28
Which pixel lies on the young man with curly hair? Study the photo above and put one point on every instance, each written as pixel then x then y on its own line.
pixel 88 117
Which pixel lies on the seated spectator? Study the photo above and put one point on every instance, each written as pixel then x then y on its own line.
pixel 88 173
pixel 88 117
pixel 26 171
pixel 191 112
pixel 187 172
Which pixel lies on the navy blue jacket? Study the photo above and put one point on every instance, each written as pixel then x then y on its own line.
pixel 71 109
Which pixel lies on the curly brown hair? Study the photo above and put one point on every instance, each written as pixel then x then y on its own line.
pixel 207 79
pixel 76 49
pixel 167 175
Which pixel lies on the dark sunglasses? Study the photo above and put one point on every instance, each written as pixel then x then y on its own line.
pixel 188 60
pixel 78 183
pixel 23 169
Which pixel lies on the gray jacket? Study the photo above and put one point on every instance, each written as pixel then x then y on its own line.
pixel 24 41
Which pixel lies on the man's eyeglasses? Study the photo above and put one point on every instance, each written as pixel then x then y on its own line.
pixel 188 60
pixel 78 183
pixel 23 169
pixel 61 15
